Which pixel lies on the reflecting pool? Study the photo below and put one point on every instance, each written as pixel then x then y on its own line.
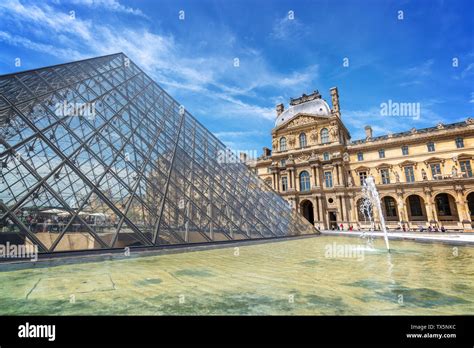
pixel 311 276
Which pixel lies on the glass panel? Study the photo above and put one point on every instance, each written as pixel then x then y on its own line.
pixel 97 155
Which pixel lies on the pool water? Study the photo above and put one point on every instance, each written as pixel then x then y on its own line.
pixel 310 276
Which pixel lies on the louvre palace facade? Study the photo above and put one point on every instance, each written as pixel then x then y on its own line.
pixel 424 176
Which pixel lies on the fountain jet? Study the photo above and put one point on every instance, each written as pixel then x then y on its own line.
pixel 371 196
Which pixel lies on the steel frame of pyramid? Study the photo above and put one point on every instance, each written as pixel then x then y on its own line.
pixel 95 155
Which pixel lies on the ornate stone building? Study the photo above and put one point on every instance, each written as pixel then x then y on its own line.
pixel 424 176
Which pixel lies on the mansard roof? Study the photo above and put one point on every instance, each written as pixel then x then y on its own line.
pixel 415 131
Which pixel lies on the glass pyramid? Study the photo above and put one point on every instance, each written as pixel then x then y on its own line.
pixel 96 155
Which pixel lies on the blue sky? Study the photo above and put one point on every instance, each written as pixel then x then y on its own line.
pixel 280 56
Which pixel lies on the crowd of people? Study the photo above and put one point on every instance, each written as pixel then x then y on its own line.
pixel 37 223
pixel 403 228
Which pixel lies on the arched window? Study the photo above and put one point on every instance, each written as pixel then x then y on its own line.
pixel 442 203
pixel 390 207
pixel 415 205
pixel 302 140
pixel 304 181
pixel 470 203
pixel 324 136
pixel 283 144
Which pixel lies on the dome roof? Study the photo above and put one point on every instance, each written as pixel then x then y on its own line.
pixel 316 107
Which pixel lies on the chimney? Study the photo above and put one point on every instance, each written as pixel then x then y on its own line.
pixel 368 132
pixel 267 152
pixel 335 101
pixel 243 157
pixel 279 109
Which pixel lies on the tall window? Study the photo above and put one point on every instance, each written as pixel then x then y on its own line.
pixel 283 163
pixel 324 136
pixel 390 206
pixel 302 140
pixel 409 174
pixel 435 170
pixel 442 203
pixel 328 179
pixel 304 181
pixel 360 156
pixel 284 183
pixel 385 176
pixel 381 153
pixel 405 150
pixel 466 168
pixel 430 146
pixel 459 143
pixel 283 144
pixel 326 156
pixel 362 177
pixel 415 205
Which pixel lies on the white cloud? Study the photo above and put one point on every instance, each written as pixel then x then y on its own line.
pixel 64 53
pixel 111 5
pixel 46 17
pixel 286 28
pixel 416 75
pixel 232 92
pixel 421 70
pixel 468 71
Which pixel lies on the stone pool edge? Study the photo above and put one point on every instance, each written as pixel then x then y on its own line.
pixel 425 238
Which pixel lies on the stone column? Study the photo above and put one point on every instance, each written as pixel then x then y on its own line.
pixel 290 179
pixel 429 206
pixel 463 208
pixel 402 210
pixel 460 204
pixel 344 209
pixel 278 180
pixel 340 214
pixel 354 215
pixel 468 212
pixel 318 175
pixel 317 216
pixel 274 180
pixel 338 174
pixel 295 180
pixel 321 212
pixel 315 175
